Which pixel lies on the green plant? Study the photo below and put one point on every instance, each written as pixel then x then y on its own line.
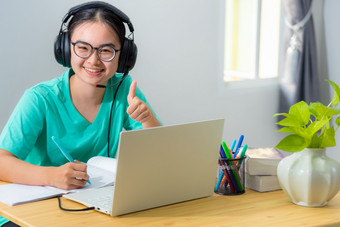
pixel 310 126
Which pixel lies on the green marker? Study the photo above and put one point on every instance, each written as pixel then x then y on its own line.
pixel 243 153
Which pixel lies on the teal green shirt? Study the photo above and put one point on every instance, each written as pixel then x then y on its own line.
pixel 46 110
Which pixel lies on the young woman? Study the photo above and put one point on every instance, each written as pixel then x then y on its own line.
pixel 86 108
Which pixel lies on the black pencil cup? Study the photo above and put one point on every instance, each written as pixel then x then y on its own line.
pixel 231 176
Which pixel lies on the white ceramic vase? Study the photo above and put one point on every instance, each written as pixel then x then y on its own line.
pixel 309 177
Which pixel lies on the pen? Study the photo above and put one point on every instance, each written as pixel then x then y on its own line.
pixel 243 153
pixel 219 181
pixel 227 171
pixel 230 178
pixel 224 182
pixel 233 146
pixel 238 145
pixel 64 152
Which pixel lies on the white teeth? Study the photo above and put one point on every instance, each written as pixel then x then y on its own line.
pixel 93 70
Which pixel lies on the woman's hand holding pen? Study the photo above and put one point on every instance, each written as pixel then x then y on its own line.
pixel 139 110
pixel 68 176
pixel 71 175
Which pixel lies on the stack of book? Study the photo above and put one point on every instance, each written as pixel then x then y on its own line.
pixel 261 169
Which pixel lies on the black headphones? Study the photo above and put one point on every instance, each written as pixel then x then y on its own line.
pixel 128 53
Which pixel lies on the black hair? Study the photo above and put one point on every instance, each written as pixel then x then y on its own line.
pixel 95 15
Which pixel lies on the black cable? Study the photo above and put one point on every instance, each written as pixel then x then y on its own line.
pixel 65 209
pixel 109 130
pixel 108 146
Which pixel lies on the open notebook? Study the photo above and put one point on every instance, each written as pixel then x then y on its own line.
pixel 160 166
pixel 102 172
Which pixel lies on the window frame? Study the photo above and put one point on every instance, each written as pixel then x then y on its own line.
pixel 256 81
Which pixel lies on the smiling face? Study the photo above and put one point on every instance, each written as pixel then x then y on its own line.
pixel 92 70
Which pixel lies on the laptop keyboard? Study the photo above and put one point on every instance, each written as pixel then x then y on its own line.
pixel 103 201
pixel 100 198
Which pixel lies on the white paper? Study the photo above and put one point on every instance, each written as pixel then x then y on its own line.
pixel 14 194
pixel 102 172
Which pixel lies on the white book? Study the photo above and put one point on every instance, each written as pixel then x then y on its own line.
pixel 262 161
pixel 262 183
pixel 102 172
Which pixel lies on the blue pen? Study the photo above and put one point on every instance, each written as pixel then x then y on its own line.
pixel 233 146
pixel 64 152
pixel 238 145
pixel 219 181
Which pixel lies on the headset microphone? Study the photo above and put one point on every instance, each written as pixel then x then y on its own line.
pixel 104 86
pixel 100 86
pixel 112 85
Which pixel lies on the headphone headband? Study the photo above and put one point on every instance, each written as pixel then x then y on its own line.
pixel 62 51
pixel 97 4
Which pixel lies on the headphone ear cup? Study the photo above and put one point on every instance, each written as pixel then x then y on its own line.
pixel 128 56
pixel 66 50
pixel 62 49
pixel 57 49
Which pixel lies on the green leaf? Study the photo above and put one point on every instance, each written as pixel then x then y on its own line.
pixel 291 121
pixel 316 126
pixel 280 114
pixel 318 110
pixel 300 112
pixel 328 138
pixel 336 110
pixel 292 143
pixel 337 121
pixel 336 97
pixel 315 142
pixel 287 130
pixel 313 108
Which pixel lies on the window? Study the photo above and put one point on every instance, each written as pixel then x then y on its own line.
pixel 252 32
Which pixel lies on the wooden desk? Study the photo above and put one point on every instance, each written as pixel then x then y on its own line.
pixel 249 209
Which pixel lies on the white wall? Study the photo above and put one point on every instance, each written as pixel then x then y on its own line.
pixel 332 34
pixel 179 65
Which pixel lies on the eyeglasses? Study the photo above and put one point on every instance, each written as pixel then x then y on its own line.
pixel 105 52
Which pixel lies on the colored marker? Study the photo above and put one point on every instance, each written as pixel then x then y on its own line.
pixel 226 151
pixel 224 182
pixel 219 181
pixel 227 171
pixel 230 177
pixel 233 146
pixel 238 145
pixel 63 151
pixel 242 154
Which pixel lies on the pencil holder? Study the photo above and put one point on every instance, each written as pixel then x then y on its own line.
pixel 231 180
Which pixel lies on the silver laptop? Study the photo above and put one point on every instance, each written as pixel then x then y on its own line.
pixel 160 166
